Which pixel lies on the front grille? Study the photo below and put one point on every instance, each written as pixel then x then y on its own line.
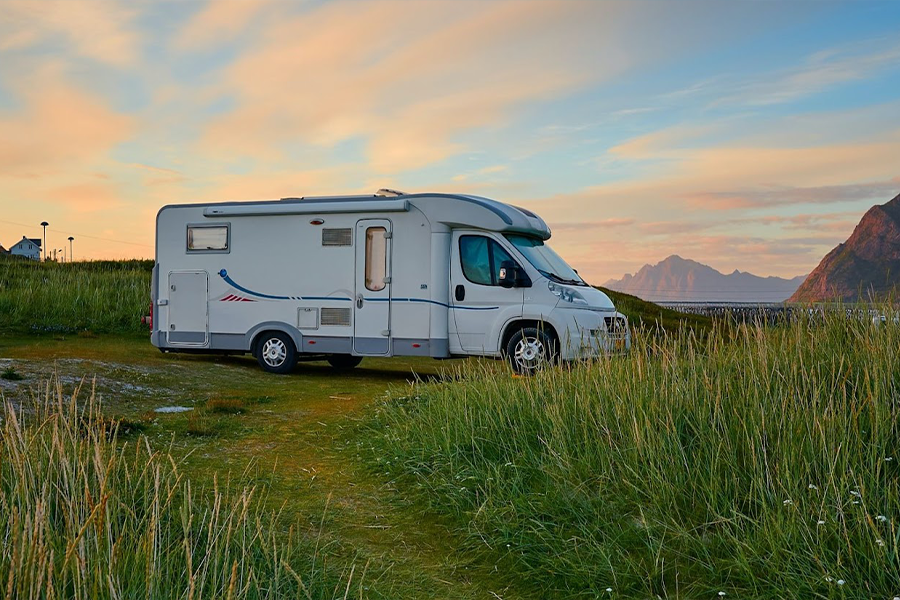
pixel 335 316
pixel 616 327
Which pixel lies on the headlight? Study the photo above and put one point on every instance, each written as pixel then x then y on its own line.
pixel 567 294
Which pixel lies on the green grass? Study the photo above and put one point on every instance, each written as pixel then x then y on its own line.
pixel 678 471
pixel 85 516
pixel 647 315
pixel 94 296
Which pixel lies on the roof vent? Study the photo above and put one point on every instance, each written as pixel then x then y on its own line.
pixel 387 192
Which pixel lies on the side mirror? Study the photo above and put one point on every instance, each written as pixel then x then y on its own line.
pixel 511 275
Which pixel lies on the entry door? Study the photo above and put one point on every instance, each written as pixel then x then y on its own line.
pixel 372 307
pixel 188 308
pixel 476 298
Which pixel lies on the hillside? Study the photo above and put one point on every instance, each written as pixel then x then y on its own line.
pixel 866 266
pixel 679 279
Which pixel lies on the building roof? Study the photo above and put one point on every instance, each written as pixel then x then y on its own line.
pixel 35 241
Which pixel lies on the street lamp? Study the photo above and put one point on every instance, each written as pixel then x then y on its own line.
pixel 44 225
pixel 71 255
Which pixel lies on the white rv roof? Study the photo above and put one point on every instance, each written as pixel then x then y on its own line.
pixel 455 210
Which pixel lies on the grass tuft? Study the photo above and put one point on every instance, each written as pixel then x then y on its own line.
pixel 84 514
pixel 10 374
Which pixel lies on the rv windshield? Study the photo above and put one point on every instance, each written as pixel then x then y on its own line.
pixel 545 260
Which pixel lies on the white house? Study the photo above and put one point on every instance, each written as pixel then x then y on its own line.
pixel 27 247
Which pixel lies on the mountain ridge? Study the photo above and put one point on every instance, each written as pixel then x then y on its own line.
pixel 677 279
pixel 864 267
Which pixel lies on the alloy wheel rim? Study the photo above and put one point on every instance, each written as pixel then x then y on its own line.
pixel 530 354
pixel 274 352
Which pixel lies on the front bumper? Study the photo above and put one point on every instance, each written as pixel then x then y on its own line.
pixel 589 334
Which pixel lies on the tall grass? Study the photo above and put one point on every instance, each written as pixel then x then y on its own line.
pixel 762 464
pixel 100 296
pixel 83 515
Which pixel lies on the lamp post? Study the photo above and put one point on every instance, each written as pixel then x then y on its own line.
pixel 44 225
pixel 71 254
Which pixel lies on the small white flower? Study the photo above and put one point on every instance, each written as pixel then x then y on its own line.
pixel 855 502
pixel 812 487
pixel 889 459
pixel 841 582
pixel 854 493
pixel 880 543
pixel 881 518
pixel 722 594
pixel 828 579
pixel 609 590
pixel 788 501
pixel 820 522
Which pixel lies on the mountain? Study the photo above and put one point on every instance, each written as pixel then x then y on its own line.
pixel 867 264
pixel 678 279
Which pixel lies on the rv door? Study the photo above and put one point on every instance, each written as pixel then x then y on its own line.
pixel 188 308
pixel 372 303
pixel 476 298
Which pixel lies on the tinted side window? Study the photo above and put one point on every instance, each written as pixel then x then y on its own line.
pixel 475 259
pixel 480 258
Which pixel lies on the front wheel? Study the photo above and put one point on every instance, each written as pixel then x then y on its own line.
pixel 530 349
pixel 275 352
pixel 343 362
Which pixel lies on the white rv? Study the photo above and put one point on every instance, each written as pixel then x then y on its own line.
pixel 393 274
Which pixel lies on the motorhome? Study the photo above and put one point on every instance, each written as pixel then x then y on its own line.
pixel 390 274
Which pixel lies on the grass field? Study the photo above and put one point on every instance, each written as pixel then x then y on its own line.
pixel 757 462
pixel 94 296
pixel 761 467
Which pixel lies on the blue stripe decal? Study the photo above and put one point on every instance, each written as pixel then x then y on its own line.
pixel 427 301
pixel 224 275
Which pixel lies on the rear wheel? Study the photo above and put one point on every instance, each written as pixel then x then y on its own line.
pixel 275 352
pixel 343 362
pixel 530 349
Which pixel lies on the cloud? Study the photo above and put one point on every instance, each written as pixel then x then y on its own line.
pixel 97 29
pixel 87 197
pixel 411 92
pixel 60 127
pixel 822 70
pixel 218 22
pixel 786 195
pixel 610 223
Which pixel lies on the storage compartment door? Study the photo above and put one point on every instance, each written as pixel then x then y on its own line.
pixel 372 312
pixel 188 308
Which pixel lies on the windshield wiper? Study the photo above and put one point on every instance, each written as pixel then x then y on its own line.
pixel 559 279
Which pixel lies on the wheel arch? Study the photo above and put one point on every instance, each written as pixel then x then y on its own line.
pixel 516 324
pixel 252 337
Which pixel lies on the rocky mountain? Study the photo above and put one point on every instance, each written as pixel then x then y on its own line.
pixel 678 279
pixel 866 266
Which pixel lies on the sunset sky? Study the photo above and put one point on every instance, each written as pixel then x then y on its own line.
pixel 745 135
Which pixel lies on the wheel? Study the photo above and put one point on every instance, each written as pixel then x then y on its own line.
pixel 530 349
pixel 275 352
pixel 343 362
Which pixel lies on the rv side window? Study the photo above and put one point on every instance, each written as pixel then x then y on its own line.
pixel 376 258
pixel 206 238
pixel 480 259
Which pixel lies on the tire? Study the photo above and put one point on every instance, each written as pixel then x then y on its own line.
pixel 275 352
pixel 531 349
pixel 343 362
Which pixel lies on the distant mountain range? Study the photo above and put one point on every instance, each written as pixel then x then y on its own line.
pixel 865 267
pixel 678 279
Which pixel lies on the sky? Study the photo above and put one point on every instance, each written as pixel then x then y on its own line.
pixel 746 135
